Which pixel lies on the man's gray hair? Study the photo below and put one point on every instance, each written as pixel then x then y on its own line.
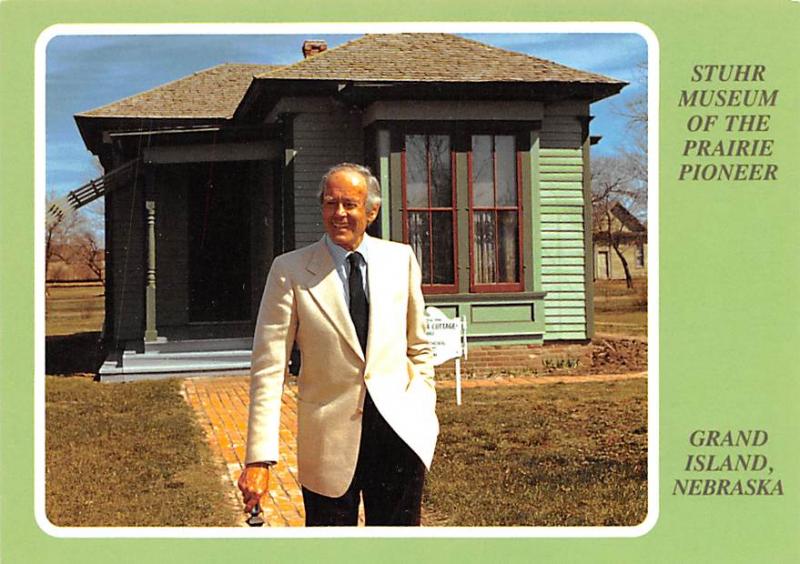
pixel 373 186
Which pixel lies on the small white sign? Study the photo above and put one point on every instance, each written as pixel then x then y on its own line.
pixel 448 338
pixel 444 335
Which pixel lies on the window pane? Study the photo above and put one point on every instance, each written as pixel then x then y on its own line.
pixel 508 246
pixel 484 248
pixel 482 171
pixel 416 172
pixel 441 179
pixel 419 237
pixel 506 170
pixel 443 260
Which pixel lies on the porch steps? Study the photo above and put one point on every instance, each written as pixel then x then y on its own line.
pixel 163 345
pixel 185 361
pixel 165 359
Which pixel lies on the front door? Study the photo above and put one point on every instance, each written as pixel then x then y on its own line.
pixel 219 242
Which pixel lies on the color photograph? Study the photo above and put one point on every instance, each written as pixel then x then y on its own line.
pixel 399 281
pixel 512 166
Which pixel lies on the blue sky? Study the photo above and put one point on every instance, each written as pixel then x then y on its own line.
pixel 85 72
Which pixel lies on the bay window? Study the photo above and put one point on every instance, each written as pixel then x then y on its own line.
pixel 480 200
pixel 494 214
pixel 429 214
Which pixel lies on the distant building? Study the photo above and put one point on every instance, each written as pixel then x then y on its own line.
pixel 631 235
pixel 482 155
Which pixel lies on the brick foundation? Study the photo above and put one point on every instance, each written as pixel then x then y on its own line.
pixel 486 360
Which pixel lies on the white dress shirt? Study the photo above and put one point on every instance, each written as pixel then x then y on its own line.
pixel 342 265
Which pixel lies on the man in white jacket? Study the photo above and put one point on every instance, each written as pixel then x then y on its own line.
pixel 366 399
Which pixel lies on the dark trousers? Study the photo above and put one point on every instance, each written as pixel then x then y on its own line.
pixel 389 476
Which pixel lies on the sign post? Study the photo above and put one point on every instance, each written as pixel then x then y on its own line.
pixel 448 337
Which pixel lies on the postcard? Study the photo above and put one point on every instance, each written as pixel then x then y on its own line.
pixel 601 199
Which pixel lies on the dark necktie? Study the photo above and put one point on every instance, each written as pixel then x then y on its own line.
pixel 359 308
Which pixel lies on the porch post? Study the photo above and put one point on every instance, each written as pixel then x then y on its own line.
pixel 382 160
pixel 150 333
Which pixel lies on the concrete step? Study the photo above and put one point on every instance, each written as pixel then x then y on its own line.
pixel 206 360
pixel 163 359
pixel 198 345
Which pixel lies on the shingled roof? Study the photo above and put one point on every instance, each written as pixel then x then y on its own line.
pixel 429 57
pixel 210 93
pixel 216 93
pixel 627 218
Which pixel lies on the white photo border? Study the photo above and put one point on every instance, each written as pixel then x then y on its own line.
pixel 349 28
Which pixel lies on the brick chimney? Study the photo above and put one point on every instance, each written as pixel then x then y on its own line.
pixel 312 47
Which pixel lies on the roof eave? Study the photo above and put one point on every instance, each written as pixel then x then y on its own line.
pixel 92 128
pixel 263 91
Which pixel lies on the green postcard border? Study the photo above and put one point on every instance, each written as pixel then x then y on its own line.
pixel 727 302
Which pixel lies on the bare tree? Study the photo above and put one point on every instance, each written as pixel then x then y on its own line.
pixel 634 150
pixel 89 253
pixel 621 178
pixel 614 183
pixel 58 236
pixel 73 241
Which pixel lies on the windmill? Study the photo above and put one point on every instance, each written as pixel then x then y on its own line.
pixel 63 207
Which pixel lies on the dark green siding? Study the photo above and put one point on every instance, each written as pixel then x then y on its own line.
pixel 126 219
pixel 172 254
pixel 321 139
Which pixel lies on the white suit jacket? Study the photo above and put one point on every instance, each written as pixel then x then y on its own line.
pixel 303 300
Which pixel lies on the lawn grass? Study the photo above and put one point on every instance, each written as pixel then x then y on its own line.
pixel 119 454
pixel 73 321
pixel 610 288
pixel 622 323
pixel 620 310
pixel 74 308
pixel 128 455
pixel 554 455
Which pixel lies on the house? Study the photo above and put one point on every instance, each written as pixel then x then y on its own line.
pixel 482 155
pixel 621 229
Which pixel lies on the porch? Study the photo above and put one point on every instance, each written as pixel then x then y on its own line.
pixel 163 358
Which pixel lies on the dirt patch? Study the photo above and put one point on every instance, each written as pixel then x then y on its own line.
pixel 606 354
pixel 617 355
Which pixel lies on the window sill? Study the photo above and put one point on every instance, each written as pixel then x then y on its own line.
pixel 505 297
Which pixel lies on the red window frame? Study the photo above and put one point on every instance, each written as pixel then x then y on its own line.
pixel 433 288
pixel 474 286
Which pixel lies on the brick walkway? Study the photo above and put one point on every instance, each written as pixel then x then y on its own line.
pixel 221 407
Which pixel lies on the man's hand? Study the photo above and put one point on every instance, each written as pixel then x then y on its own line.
pixel 254 483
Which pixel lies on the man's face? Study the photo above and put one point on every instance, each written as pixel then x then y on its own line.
pixel 344 209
